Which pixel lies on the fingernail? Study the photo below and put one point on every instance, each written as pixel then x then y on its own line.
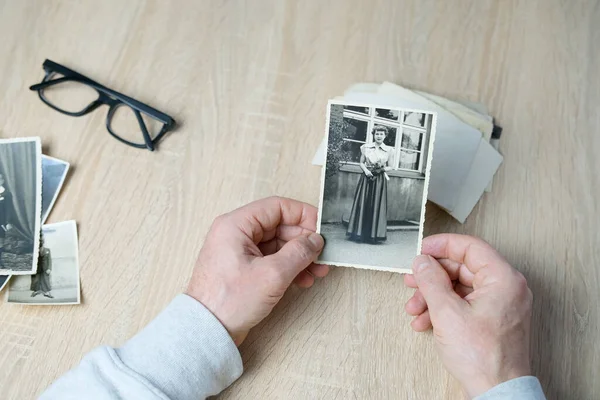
pixel 316 241
pixel 420 263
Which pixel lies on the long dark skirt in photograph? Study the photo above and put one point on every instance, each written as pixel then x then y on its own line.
pixel 40 282
pixel 368 219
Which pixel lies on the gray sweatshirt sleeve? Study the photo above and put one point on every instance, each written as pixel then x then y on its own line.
pixel 184 353
pixel 523 388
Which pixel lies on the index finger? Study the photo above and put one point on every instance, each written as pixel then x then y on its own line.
pixel 476 254
pixel 267 214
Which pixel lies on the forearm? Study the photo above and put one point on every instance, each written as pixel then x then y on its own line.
pixel 185 353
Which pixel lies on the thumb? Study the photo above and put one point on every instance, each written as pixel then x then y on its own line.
pixel 296 255
pixel 433 282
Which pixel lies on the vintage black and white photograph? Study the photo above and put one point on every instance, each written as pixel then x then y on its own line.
pixel 57 276
pixel 54 172
pixel 374 185
pixel 3 281
pixel 20 205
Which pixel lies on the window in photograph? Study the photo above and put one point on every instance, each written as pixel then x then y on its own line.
pixel 390 139
pixel 387 114
pixel 355 129
pixel 360 110
pixel 409 160
pixel 355 135
pixel 415 119
pixel 412 139
pixel 351 151
pixel 407 135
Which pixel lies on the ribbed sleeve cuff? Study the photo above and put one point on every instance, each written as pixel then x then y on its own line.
pixel 185 352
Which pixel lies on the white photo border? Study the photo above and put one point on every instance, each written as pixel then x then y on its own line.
pixel 432 135
pixel 50 303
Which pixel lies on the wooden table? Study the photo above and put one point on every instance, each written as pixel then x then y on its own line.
pixel 249 81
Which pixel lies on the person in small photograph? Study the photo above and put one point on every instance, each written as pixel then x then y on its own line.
pixel 5 203
pixel 368 219
pixel 40 282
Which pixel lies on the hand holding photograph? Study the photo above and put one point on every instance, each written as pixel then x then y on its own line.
pixel 20 205
pixel 374 185
pixel 56 281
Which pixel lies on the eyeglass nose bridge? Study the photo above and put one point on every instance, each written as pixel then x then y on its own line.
pixel 91 107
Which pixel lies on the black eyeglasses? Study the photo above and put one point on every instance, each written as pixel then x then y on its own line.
pixel 74 94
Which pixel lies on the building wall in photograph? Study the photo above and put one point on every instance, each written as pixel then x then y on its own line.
pixel 405 195
pixel 63 276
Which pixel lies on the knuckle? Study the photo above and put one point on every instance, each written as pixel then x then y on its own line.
pixel 272 200
pixel 520 288
pixel 275 198
pixel 520 282
pixel 483 243
pixel 485 246
pixel 219 222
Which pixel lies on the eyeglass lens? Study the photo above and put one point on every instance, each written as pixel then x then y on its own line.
pixel 124 123
pixel 70 96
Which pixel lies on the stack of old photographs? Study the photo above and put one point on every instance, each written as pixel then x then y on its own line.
pixel 465 158
pixel 38 262
pixel 380 166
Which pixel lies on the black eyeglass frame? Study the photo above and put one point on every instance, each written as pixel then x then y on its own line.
pixel 106 96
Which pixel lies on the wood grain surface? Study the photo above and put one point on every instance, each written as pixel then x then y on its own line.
pixel 249 82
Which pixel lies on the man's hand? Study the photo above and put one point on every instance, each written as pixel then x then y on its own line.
pixel 251 256
pixel 479 307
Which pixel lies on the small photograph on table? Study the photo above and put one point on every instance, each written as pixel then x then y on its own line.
pixel 374 186
pixel 56 281
pixel 54 172
pixel 20 205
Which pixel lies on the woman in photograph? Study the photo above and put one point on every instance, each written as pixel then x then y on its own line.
pixel 40 282
pixel 368 219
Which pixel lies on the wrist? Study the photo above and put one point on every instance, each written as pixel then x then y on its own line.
pixel 219 312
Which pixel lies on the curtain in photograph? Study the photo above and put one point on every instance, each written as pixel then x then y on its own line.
pixel 18 166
